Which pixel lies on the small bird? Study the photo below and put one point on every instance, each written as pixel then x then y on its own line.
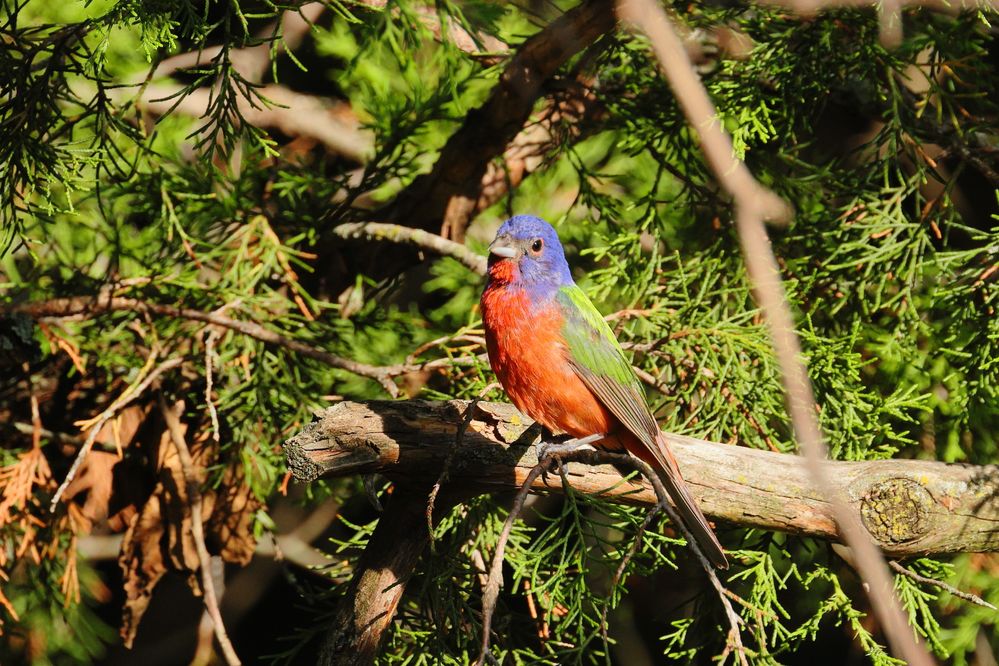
pixel 560 363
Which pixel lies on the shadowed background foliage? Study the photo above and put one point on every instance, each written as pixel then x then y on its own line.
pixel 174 172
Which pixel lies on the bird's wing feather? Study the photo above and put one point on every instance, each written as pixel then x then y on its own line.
pixel 599 361
pixel 597 358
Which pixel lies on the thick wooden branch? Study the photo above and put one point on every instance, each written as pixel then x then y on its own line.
pixel 910 507
pixel 445 199
pixel 365 611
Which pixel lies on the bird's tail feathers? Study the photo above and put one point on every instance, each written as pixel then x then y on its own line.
pixel 687 507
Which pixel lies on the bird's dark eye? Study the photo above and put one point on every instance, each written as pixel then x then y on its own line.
pixel 537 245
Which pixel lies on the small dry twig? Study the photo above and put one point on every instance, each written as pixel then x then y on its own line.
pixel 97 423
pixel 197 526
pixel 210 338
pixel 946 587
pixel 589 455
pixel 458 437
pixel 61 308
pixel 395 233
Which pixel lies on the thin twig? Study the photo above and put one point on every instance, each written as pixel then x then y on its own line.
pixel 98 422
pixel 458 437
pixel 210 338
pixel 61 308
pixel 61 437
pixel 734 638
pixel 204 652
pixel 591 456
pixel 619 573
pixel 197 526
pixel 491 592
pixel 754 205
pixel 961 594
pixel 395 233
pixel 36 417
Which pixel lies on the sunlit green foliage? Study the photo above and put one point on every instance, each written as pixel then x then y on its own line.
pixel 890 264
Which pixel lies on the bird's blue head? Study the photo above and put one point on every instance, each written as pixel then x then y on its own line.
pixel 527 252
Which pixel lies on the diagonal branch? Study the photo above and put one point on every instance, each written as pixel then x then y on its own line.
pixel 170 416
pixel 754 205
pixel 89 306
pixel 446 198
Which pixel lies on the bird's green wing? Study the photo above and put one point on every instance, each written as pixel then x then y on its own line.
pixel 599 361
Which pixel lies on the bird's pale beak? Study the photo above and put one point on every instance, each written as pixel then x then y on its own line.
pixel 503 247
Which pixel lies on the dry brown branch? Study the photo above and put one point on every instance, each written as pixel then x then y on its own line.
pixel 60 308
pixel 754 205
pixel 910 507
pixel 210 337
pixel 445 199
pixel 193 483
pixel 366 610
pixel 394 233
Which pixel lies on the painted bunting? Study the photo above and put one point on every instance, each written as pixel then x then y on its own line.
pixel 560 363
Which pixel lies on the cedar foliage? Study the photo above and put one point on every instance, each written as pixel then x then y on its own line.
pixel 889 157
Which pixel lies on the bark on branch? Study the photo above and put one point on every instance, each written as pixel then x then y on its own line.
pixel 445 199
pixel 910 507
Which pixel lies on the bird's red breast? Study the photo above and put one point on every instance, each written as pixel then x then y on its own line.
pixel 528 354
